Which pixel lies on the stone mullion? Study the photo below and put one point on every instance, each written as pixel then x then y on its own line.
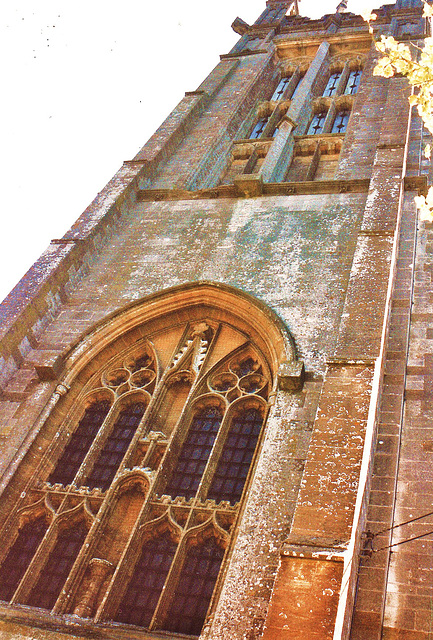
pixel 85 554
pixel 330 116
pixel 107 607
pixel 341 85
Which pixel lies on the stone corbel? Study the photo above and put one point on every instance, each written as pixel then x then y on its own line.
pixel 291 375
pixel 240 26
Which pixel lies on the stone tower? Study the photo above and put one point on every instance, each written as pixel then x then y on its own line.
pixel 216 394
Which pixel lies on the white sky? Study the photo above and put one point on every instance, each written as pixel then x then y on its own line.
pixel 85 84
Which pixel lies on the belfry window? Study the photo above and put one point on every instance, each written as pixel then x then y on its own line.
pixel 152 478
pixel 332 84
pixel 340 122
pixel 281 88
pixel 353 81
pixel 317 123
pixel 259 128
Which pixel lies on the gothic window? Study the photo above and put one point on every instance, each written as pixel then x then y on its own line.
pixel 19 557
pixel 78 446
pixel 115 447
pixel 237 454
pixel 332 84
pixel 195 587
pixel 194 453
pixel 353 81
pixel 316 125
pixel 139 602
pixel 340 122
pixel 51 580
pixel 166 432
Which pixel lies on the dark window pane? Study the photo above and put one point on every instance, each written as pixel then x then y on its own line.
pixel 202 433
pixel 229 478
pixel 81 441
pixel 197 579
pixel 19 557
pixel 115 447
pixel 55 573
pixel 141 597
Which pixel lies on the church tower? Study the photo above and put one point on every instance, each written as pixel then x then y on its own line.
pixel 216 387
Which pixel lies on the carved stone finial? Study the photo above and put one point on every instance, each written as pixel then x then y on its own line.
pixel 342 7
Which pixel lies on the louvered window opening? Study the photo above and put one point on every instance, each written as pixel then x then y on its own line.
pixel 115 447
pixel 353 81
pixel 80 443
pixel 194 590
pixel 55 573
pixel 194 454
pixel 317 123
pixel 19 557
pixel 235 460
pixel 281 88
pixel 332 85
pixel 340 122
pixel 259 128
pixel 141 597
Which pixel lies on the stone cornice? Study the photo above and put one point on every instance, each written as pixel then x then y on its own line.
pixel 266 189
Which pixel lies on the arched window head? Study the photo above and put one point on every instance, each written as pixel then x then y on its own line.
pixel 155 444
pixel 19 557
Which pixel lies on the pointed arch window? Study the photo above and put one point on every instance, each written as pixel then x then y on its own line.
pixel 194 590
pixel 111 455
pixel 80 443
pixel 195 453
pixel 141 597
pixel 236 457
pixel 19 557
pixel 63 555
pixel 163 453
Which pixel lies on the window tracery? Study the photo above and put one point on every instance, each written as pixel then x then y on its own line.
pixel 166 432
